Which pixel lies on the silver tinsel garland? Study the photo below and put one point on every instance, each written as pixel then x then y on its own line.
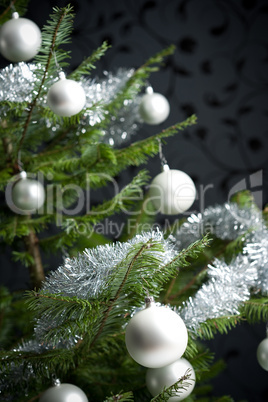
pixel 17 84
pixel 225 222
pixel 227 288
pixel 127 121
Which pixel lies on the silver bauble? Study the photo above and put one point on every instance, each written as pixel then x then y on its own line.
pixel 20 39
pixel 154 108
pixel 172 192
pixel 64 393
pixel 262 354
pixel 66 98
pixel 28 195
pixel 156 336
pixel 157 379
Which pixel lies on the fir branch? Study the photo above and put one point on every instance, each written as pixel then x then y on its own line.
pixel 255 309
pixel 134 155
pixel 215 369
pixel 19 6
pixel 121 201
pixel 89 63
pixel 122 397
pixel 174 390
pixel 59 17
pixel 125 198
pixel 181 260
pixel 138 152
pixel 118 293
pixel 73 314
pixel 221 325
pixel 53 360
pixel 137 81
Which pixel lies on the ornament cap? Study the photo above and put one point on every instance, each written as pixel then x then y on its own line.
pixel 23 174
pixel 165 167
pixel 149 90
pixel 15 15
pixel 62 75
pixel 149 300
pixel 56 382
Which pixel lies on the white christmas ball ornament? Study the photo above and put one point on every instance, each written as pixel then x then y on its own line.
pixel 66 97
pixel 157 379
pixel 28 195
pixel 20 39
pixel 172 192
pixel 154 108
pixel 156 336
pixel 64 393
pixel 262 354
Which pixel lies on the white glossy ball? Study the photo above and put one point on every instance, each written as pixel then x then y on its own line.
pixel 262 354
pixel 66 98
pixel 28 195
pixel 172 192
pixel 157 379
pixel 64 393
pixel 20 39
pixel 156 336
pixel 154 108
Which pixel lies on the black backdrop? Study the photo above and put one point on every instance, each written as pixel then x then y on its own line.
pixel 219 72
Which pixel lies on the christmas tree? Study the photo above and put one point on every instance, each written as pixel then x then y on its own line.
pixel 62 137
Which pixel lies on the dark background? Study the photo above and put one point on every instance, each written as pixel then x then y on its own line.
pixel 219 71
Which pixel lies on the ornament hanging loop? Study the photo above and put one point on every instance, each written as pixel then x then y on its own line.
pixel 19 162
pixel 61 74
pixel 15 14
pixel 163 160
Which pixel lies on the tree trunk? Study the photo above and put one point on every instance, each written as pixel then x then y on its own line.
pixel 36 270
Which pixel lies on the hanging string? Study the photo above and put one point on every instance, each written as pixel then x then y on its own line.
pixel 12 6
pixel 58 67
pixel 19 162
pixel 162 157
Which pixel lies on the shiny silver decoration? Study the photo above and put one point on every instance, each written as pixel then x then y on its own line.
pixel 262 354
pixel 172 191
pixel 20 39
pixel 66 97
pixel 156 336
pixel 154 107
pixel 28 195
pixel 63 393
pixel 163 377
